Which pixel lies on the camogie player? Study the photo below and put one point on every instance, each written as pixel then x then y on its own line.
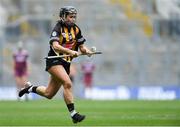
pixel 66 38
pixel 20 63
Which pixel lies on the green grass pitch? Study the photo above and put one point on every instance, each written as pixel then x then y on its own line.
pixel 98 113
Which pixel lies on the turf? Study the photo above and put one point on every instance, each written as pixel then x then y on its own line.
pixel 99 113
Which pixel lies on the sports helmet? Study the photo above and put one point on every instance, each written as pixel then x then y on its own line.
pixel 64 11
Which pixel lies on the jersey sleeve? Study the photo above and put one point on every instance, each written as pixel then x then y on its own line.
pixel 55 33
pixel 80 38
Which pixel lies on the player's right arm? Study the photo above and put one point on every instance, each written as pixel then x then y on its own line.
pixel 60 49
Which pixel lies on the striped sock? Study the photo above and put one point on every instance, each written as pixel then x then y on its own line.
pixel 33 89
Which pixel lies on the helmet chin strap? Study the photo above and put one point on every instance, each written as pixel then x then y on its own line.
pixel 63 19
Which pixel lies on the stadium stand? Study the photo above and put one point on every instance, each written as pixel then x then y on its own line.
pixel 137 47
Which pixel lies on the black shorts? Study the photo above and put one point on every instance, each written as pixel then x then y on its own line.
pixel 57 61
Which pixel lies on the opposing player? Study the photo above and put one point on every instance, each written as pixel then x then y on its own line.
pixel 20 67
pixel 88 69
pixel 66 38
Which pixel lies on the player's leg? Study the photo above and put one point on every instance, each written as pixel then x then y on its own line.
pixel 18 82
pixel 61 74
pixel 48 92
pixel 58 76
pixel 23 80
pixel 51 90
pixel 18 85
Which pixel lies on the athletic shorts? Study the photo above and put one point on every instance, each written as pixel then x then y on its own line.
pixel 20 72
pixel 57 61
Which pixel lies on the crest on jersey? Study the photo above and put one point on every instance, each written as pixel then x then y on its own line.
pixel 54 33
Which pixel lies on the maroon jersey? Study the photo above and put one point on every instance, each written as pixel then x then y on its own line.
pixel 20 61
pixel 88 69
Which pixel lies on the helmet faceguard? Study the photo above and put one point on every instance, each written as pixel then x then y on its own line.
pixel 66 10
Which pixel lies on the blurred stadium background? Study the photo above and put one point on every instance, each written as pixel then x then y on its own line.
pixel 140 40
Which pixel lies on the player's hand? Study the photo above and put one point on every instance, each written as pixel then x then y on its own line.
pixel 74 53
pixel 89 53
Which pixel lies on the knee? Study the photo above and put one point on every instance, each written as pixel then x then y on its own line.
pixel 67 85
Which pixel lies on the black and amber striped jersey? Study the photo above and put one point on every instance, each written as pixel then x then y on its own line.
pixel 68 36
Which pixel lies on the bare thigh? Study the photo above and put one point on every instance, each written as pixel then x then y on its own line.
pixel 59 73
pixel 58 77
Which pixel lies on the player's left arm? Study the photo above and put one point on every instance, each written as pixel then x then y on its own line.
pixel 85 50
pixel 80 41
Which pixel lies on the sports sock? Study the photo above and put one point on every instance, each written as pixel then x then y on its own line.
pixel 33 89
pixel 73 113
pixel 71 109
